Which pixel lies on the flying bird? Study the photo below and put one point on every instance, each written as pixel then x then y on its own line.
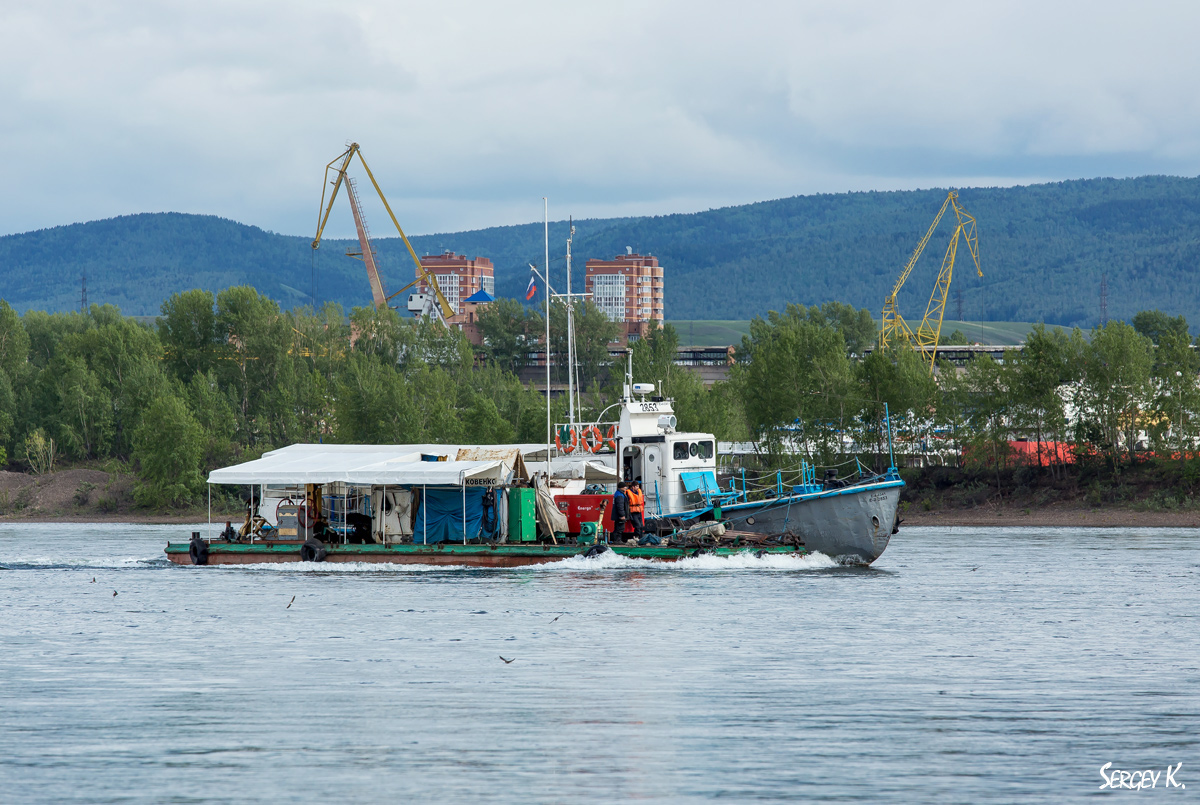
pixel 556 617
pixel 506 662
pixel 93 580
pixel 114 593
pixel 976 568
pixel 289 606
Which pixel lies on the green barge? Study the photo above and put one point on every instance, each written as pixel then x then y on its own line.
pixel 443 553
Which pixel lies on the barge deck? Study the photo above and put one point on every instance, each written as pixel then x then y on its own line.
pixel 501 555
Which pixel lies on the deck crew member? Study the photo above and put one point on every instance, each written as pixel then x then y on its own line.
pixel 620 511
pixel 637 508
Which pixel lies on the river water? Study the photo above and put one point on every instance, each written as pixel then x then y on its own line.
pixel 967 665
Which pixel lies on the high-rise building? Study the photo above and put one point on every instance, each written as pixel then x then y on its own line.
pixel 458 278
pixel 629 290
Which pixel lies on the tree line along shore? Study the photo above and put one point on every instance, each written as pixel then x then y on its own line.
pixel 219 379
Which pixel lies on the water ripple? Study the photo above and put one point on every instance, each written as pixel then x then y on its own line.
pixel 980 665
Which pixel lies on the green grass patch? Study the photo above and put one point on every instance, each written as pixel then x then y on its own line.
pixel 723 333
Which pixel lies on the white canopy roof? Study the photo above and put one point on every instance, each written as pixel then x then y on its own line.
pixel 362 464
pixel 585 469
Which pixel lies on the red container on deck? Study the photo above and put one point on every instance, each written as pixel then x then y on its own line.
pixel 586 509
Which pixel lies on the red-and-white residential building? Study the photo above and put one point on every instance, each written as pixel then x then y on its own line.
pixel 629 290
pixel 458 278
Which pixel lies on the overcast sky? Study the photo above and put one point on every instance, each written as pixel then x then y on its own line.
pixel 470 112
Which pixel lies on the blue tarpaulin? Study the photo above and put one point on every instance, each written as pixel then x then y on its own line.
pixel 703 482
pixel 440 518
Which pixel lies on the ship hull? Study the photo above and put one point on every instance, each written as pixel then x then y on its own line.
pixel 851 525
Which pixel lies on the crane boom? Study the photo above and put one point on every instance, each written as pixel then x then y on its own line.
pixel 368 252
pixel 928 333
pixel 381 298
pixel 893 326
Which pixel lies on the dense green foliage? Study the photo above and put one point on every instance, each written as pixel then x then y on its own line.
pixel 224 378
pixel 1043 249
pixel 1114 394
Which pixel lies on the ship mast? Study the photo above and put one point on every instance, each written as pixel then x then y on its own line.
pixel 570 332
pixel 546 266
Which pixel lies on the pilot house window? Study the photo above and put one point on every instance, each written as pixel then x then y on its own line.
pixel 684 450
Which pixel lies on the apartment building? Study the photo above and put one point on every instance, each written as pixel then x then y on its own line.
pixel 629 290
pixel 458 278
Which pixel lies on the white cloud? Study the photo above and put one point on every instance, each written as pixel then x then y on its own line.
pixel 471 111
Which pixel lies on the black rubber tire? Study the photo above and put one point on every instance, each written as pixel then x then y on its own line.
pixel 198 551
pixel 595 550
pixel 313 550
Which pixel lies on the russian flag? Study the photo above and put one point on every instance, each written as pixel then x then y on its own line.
pixel 531 290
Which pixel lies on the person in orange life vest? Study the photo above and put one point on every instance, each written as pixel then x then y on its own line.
pixel 637 508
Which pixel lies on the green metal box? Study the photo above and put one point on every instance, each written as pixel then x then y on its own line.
pixel 522 515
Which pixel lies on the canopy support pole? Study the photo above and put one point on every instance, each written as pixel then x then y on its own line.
pixel 464 497
pixel 209 508
pixel 424 517
pixel 383 507
pixel 251 514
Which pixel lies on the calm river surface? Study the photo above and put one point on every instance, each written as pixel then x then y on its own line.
pixel 968 665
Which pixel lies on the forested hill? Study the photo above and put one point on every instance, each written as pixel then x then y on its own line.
pixel 1043 249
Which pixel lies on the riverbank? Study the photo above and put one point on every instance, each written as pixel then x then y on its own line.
pixel 134 518
pixel 1011 517
pixel 1000 517
pixel 934 497
pixel 85 495
pixel 1148 493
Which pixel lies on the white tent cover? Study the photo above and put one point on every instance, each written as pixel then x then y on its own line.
pixel 366 465
pixel 579 469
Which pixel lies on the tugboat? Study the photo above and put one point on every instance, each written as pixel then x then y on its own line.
pixel 506 506
pixel 848 521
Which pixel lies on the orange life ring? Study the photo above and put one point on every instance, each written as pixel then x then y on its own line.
pixel 611 437
pixel 596 444
pixel 569 448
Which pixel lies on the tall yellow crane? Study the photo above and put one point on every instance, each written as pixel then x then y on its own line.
pixel 893 327
pixel 381 298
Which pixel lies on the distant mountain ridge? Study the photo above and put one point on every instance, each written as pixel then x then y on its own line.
pixel 1043 250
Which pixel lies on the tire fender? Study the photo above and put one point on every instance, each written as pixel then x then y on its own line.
pixel 198 551
pixel 313 550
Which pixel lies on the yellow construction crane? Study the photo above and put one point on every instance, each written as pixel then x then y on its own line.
pixel 417 302
pixel 893 327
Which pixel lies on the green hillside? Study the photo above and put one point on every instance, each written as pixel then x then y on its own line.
pixel 990 332
pixel 1043 249
pixel 711 333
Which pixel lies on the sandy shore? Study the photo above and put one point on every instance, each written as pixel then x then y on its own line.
pixel 1052 516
